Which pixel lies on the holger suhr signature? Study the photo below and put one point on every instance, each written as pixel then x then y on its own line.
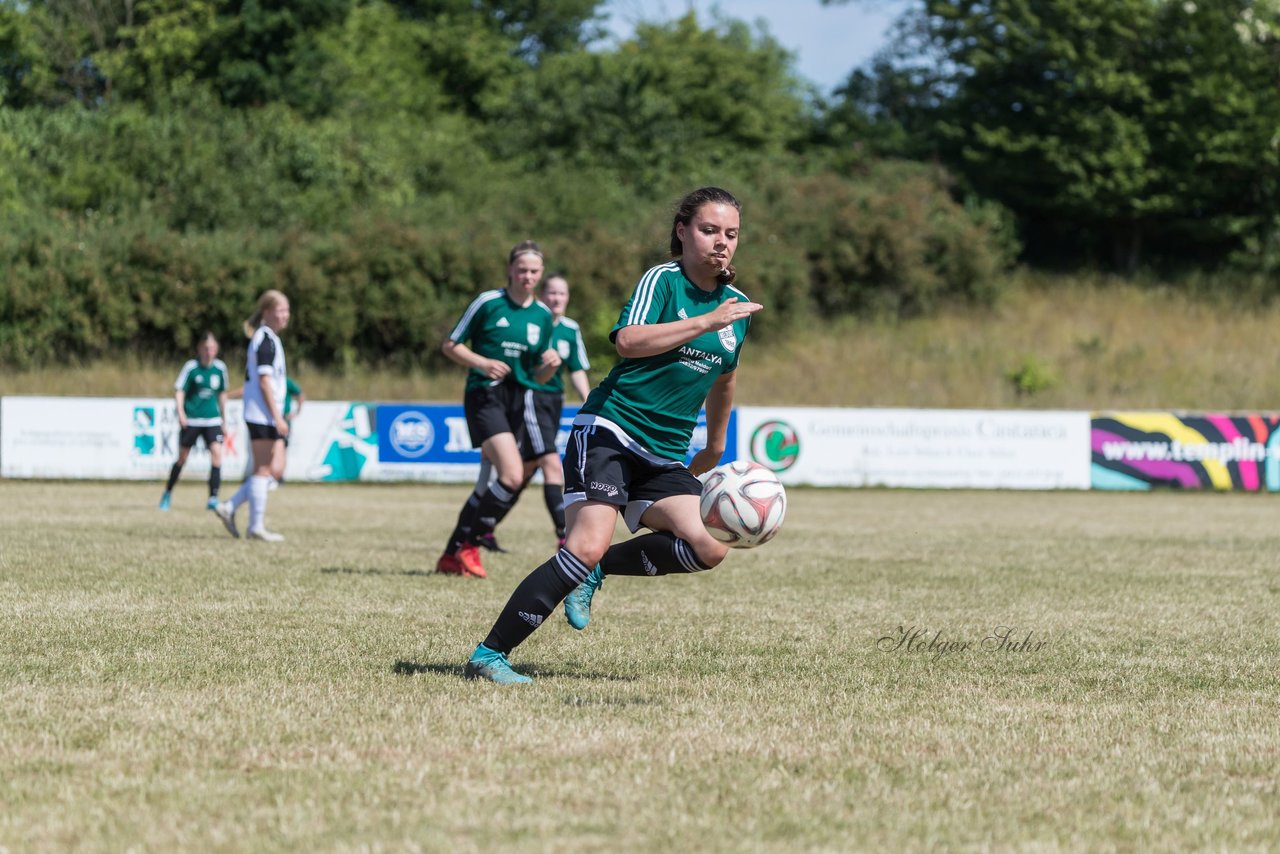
pixel 1008 639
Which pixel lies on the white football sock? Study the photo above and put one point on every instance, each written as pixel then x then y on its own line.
pixel 257 501
pixel 241 496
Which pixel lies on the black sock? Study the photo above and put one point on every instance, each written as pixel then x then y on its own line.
pixel 553 494
pixel 501 512
pixel 658 553
pixel 173 476
pixel 534 600
pixel 215 480
pixel 493 507
pixel 466 521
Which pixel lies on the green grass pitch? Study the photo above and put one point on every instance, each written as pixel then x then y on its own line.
pixel 164 687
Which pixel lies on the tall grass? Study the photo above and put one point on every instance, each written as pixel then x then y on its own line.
pixel 164 687
pixel 1050 343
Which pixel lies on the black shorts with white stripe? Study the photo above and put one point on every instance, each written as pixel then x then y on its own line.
pixel 489 410
pixel 539 414
pixel 598 466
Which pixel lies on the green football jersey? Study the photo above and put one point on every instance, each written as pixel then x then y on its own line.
pixel 201 385
pixel 496 327
pixel 566 339
pixel 656 399
pixel 292 391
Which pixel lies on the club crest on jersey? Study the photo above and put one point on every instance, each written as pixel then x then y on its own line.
pixel 728 339
pixel 562 347
pixel 535 332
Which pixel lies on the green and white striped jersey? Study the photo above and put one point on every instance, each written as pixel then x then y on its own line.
pixel 201 385
pixel 495 327
pixel 566 339
pixel 656 399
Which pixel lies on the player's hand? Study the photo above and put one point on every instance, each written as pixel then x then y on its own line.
pixel 496 370
pixel 282 428
pixel 551 357
pixel 182 421
pixel 731 310
pixel 704 461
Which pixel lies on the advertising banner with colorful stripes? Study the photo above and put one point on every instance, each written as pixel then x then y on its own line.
pixel 1141 450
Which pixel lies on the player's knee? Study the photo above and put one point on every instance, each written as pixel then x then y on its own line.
pixel 710 551
pixel 590 553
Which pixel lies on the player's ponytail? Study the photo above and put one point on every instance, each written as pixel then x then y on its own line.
pixel 267 300
pixel 684 214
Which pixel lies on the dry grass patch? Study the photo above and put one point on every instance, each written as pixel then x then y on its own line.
pixel 1051 343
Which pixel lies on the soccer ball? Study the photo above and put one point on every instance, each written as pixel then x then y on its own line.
pixel 742 504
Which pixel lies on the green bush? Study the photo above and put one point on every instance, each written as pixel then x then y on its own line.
pixel 128 232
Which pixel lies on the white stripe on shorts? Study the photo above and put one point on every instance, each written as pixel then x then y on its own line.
pixel 531 424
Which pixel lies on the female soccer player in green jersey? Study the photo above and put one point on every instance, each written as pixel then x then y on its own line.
pixel 201 395
pixel 566 339
pixel 509 355
pixel 680 337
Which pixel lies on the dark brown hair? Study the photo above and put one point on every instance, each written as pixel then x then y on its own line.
pixel 684 214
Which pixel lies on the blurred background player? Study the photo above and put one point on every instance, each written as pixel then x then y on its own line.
pixel 509 356
pixel 294 397
pixel 264 392
pixel 201 395
pixel 566 339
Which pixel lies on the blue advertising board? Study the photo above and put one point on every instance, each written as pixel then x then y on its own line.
pixel 437 434
pixel 424 433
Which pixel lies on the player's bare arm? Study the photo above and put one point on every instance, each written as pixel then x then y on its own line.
pixel 551 362
pixel 650 339
pixel 718 406
pixel 269 397
pixel 463 355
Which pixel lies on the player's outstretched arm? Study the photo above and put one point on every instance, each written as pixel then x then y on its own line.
pixel 650 339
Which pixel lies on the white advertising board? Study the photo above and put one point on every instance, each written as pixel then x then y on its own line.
pixel 128 438
pixel 137 439
pixel 924 448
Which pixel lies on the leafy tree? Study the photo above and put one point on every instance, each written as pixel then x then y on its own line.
pixel 675 98
pixel 46 49
pixel 163 48
pixel 535 27
pixel 1131 124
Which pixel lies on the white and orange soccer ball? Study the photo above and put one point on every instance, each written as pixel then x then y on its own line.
pixel 743 504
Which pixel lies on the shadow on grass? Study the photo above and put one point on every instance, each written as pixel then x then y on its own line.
pixel 351 570
pixel 414 668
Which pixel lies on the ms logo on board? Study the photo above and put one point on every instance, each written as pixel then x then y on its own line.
pixel 411 434
pixel 775 445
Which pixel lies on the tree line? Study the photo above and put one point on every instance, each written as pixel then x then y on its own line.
pixel 164 160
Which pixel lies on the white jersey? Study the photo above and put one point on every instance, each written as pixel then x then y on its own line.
pixel 266 359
